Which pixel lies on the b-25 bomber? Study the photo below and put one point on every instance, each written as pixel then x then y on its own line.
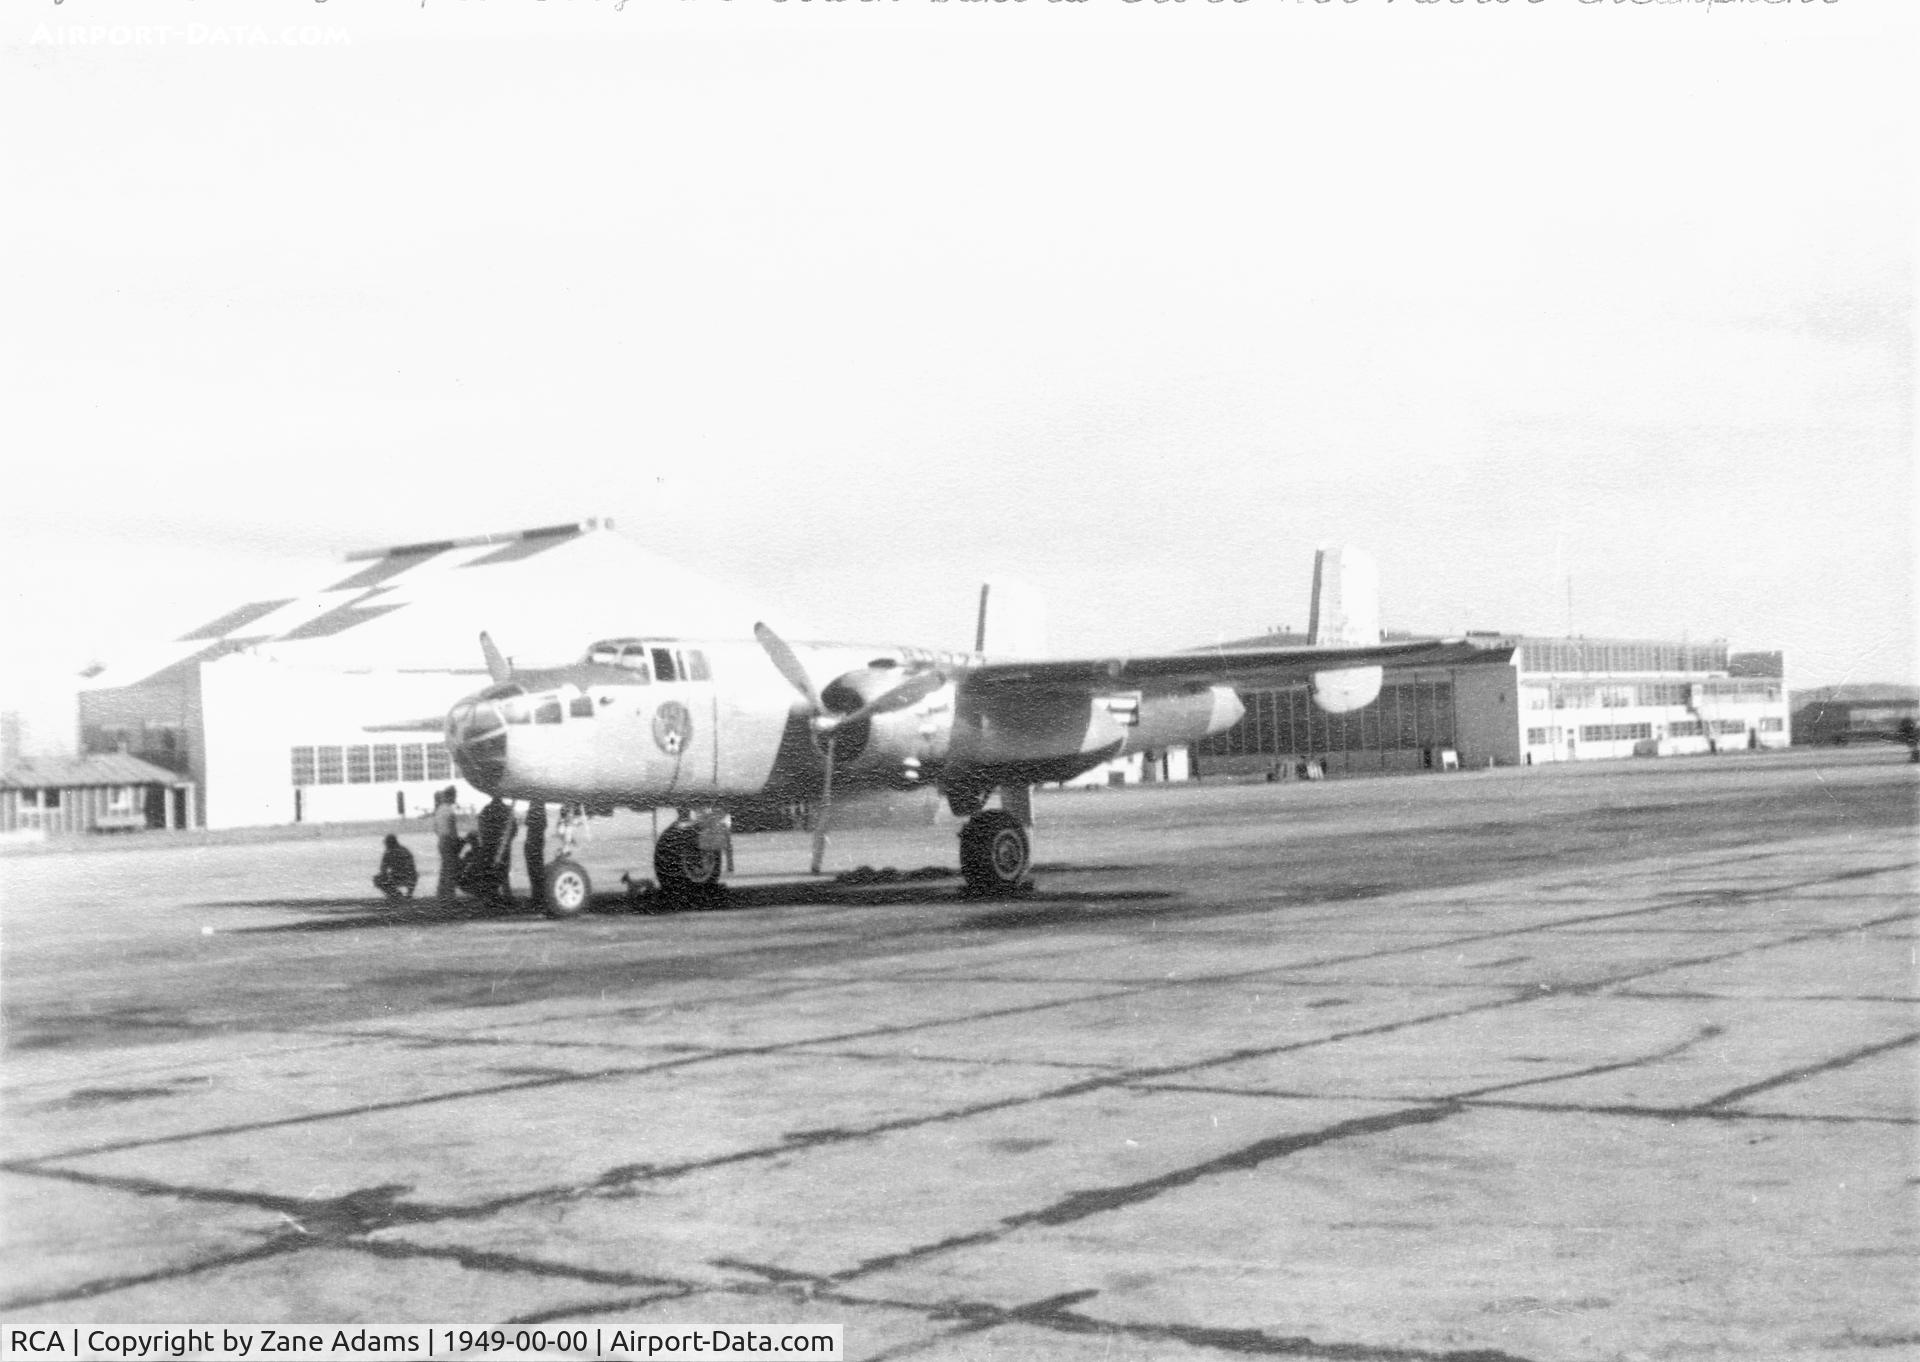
pixel 729 725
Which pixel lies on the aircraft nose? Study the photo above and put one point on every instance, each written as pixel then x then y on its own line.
pixel 477 739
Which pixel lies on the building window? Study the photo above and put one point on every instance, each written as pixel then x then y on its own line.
pixel 1771 725
pixel 303 766
pixel 413 762
pixel 1684 728
pixel 1729 725
pixel 439 764
pixel 1615 732
pixel 328 766
pixel 386 764
pixel 359 766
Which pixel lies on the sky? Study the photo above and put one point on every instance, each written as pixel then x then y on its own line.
pixel 1578 317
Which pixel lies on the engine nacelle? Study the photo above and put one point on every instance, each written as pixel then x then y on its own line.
pixel 897 744
pixel 1344 691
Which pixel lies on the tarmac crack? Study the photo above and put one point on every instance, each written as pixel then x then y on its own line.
pixel 1804 1071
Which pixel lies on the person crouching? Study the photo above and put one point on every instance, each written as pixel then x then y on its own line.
pixel 397 875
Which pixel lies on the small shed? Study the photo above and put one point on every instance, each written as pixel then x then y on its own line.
pixel 113 792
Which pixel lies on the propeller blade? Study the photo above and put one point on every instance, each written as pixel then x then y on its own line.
pixel 788 664
pixel 497 666
pixel 909 692
pixel 824 812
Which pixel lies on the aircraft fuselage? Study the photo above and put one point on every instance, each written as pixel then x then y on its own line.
pixel 644 723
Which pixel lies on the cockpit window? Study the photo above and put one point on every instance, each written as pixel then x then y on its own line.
pixel 663 664
pixel 604 654
pixel 547 710
pixel 518 711
pixel 634 659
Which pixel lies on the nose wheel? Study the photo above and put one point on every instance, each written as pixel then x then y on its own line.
pixel 995 854
pixel 569 890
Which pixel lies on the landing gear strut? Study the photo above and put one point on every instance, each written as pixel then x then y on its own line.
pixel 995 854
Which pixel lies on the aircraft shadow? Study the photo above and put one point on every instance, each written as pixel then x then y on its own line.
pixel 1038 907
pixel 340 915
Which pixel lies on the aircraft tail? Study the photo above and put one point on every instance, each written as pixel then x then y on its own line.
pixel 1346 611
pixel 1012 622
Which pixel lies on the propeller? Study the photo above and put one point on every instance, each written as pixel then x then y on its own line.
pixel 498 667
pixel 827 723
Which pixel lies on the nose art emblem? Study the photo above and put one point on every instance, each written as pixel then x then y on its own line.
pixel 672 727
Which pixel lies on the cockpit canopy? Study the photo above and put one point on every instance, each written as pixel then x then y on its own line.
pixel 646 661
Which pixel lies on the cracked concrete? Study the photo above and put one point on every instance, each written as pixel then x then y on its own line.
pixel 1603 1063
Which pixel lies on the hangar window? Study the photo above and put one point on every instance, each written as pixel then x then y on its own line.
pixel 413 762
pixel 359 766
pixel 386 763
pixel 303 766
pixel 439 764
pixel 581 707
pixel 328 766
pixel 547 711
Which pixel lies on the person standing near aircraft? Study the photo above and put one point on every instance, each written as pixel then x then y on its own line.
pixel 536 852
pixel 496 850
pixel 446 832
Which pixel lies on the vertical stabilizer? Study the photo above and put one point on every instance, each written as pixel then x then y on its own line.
pixel 1346 612
pixel 1346 598
pixel 1012 622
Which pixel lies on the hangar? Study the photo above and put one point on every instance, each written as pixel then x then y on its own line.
pixel 1523 701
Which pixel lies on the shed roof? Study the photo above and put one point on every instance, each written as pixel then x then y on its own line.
pixel 68 773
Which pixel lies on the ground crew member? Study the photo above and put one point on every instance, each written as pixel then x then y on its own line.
pixel 397 874
pixel 496 849
pixel 446 832
pixel 536 852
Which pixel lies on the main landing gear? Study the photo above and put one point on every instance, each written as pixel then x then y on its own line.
pixel 995 854
pixel 687 866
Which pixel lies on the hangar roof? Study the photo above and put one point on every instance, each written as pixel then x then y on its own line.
pixel 543 593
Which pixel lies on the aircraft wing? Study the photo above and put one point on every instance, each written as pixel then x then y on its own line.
pixel 1241 667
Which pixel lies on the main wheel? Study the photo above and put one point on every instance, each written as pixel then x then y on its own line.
pixel 994 853
pixel 684 869
pixel 568 889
